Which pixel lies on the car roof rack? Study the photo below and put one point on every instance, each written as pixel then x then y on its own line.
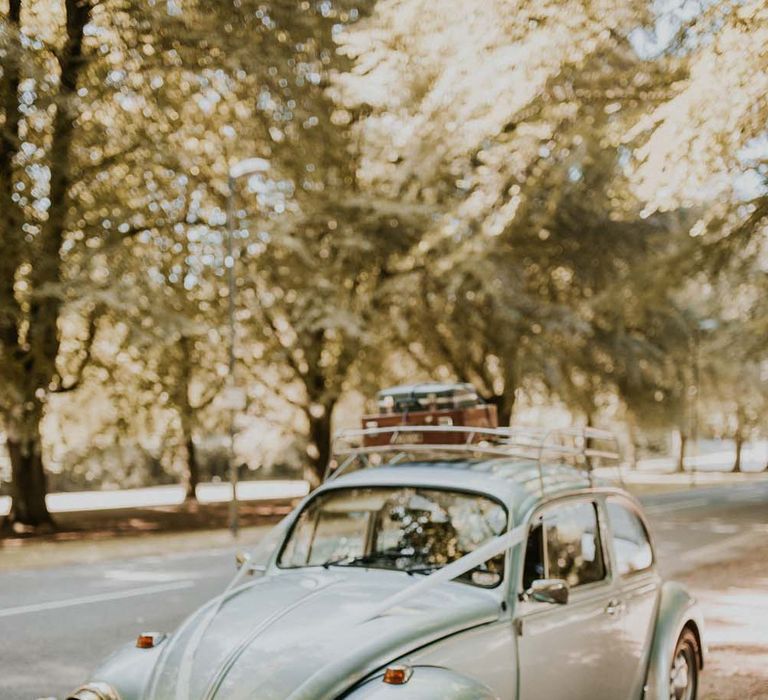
pixel 580 447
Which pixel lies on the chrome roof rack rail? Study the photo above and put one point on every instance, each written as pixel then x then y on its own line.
pixel 583 448
pixel 582 445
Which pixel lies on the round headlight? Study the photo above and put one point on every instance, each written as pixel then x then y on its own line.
pixel 98 690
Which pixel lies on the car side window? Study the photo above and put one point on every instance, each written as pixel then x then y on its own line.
pixel 631 546
pixel 572 544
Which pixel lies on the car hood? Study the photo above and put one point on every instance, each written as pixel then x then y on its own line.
pixel 304 635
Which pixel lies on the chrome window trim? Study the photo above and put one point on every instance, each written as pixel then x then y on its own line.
pixel 320 492
pixel 592 496
pixel 634 508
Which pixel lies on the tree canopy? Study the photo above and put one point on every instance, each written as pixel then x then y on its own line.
pixel 548 199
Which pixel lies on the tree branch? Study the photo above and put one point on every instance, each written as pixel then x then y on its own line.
pixel 286 352
pixel 109 160
pixel 207 401
pixel 283 396
pixel 86 358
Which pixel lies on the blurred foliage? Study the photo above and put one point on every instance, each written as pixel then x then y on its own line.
pixel 548 199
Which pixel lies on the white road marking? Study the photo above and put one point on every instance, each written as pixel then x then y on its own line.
pixel 95 598
pixel 679 505
pixel 738 498
pixel 722 550
pixel 197 553
pixel 723 528
pixel 133 576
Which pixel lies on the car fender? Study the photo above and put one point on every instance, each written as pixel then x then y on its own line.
pixel 128 670
pixel 426 683
pixel 677 608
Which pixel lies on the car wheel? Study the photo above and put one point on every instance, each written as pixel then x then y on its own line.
pixel 684 670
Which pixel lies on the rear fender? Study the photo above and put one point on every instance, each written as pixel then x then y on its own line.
pixel 677 608
pixel 426 683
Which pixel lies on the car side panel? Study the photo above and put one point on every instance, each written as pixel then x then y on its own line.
pixel 640 596
pixel 676 609
pixel 563 648
pixel 485 654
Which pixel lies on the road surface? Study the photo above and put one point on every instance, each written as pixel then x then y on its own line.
pixel 58 622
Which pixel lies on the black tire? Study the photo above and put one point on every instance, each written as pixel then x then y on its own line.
pixel 684 668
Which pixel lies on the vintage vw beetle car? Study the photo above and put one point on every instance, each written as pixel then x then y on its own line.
pixel 465 570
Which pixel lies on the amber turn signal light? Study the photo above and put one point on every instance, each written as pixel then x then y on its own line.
pixel 148 640
pixel 397 675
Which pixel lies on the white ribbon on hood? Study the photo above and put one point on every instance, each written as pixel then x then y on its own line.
pixel 262 553
pixel 465 564
pixel 470 561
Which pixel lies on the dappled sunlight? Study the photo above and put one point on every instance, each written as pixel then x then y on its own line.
pixel 225 225
pixel 142 525
pixel 735 606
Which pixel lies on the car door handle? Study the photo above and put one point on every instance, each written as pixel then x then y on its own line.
pixel 615 607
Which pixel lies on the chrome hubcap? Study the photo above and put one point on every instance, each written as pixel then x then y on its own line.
pixel 680 687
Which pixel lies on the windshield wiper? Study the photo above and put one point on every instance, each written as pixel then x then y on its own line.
pixel 341 561
pixel 362 559
pixel 426 569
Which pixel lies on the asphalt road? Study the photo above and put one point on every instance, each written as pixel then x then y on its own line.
pixel 56 623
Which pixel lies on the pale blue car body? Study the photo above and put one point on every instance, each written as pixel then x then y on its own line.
pixel 302 634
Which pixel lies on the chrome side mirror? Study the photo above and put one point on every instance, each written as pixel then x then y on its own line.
pixel 242 559
pixel 548 590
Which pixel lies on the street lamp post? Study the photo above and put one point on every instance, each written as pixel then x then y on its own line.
pixel 705 325
pixel 242 168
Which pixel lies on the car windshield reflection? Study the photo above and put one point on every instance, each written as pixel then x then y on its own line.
pixel 415 530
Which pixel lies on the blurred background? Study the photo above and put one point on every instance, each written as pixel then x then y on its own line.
pixel 563 203
pixel 224 226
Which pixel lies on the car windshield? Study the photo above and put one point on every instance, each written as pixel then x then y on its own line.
pixel 415 530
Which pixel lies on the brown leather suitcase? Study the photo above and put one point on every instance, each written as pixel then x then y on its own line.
pixel 482 416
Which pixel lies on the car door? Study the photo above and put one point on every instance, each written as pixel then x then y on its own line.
pixel 564 650
pixel 638 586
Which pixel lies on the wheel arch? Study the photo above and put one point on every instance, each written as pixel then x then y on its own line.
pixel 677 610
pixel 691 625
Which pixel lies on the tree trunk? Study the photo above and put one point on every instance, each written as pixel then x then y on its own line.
pixel 37 361
pixel 187 418
pixel 10 227
pixel 588 442
pixel 507 407
pixel 631 440
pixel 505 404
pixel 681 452
pixel 738 438
pixel 320 436
pixel 739 443
pixel 28 485
pixel 193 470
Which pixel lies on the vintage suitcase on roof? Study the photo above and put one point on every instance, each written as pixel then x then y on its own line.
pixel 427 396
pixel 430 404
